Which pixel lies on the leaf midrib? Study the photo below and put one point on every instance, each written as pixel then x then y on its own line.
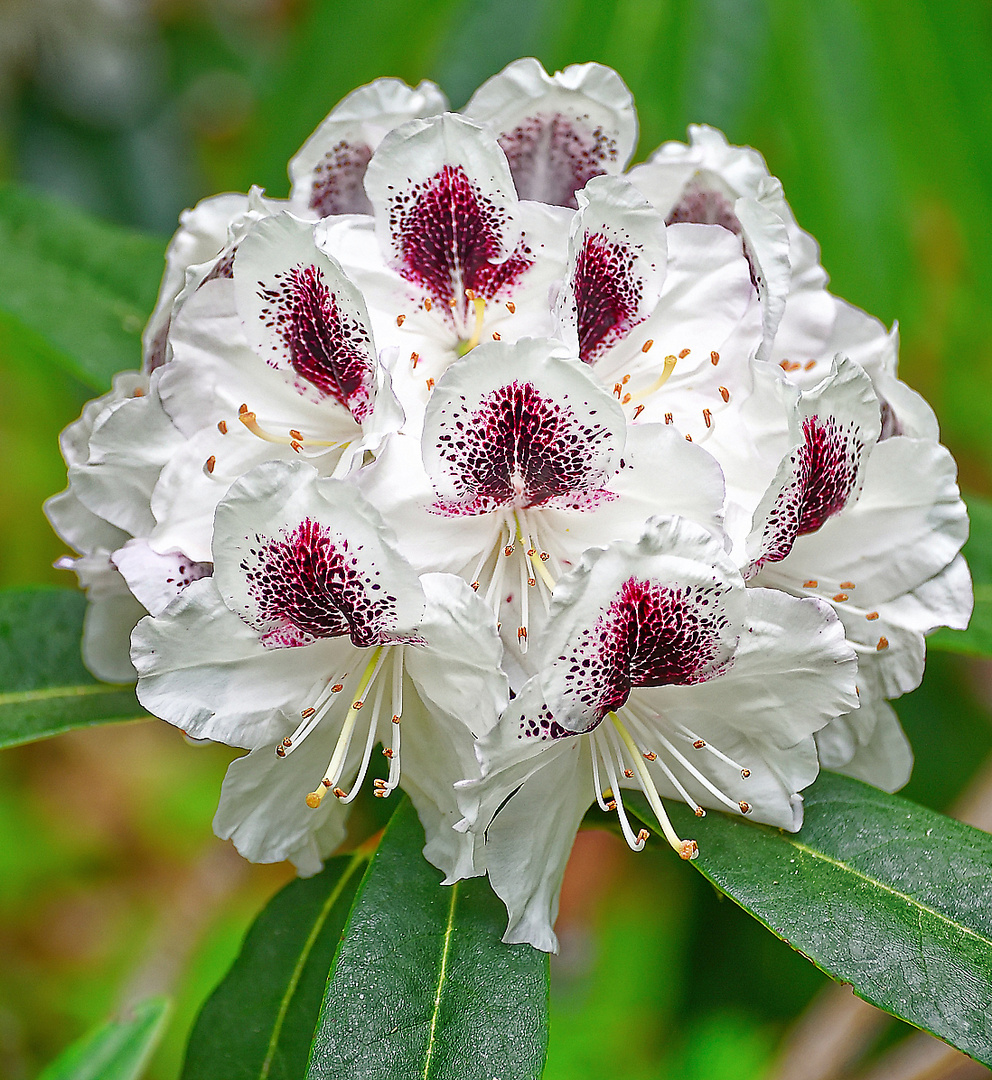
pixel 287 997
pixel 46 693
pixel 442 974
pixel 912 901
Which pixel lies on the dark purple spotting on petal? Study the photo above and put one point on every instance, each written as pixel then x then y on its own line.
pixel 520 448
pixel 651 635
pixel 450 237
pixel 543 727
pixel 703 206
pixel 156 351
pixel 223 267
pixel 339 181
pixel 552 157
pixel 325 347
pixel 833 452
pixel 307 584
pixel 824 472
pixel 607 293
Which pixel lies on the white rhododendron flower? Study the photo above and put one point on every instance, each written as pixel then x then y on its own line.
pixel 660 671
pixel 581 476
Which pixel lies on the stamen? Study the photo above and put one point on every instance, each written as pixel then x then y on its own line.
pixel 310 718
pixel 603 804
pixel 701 777
pixel 617 801
pixel 700 744
pixel 369 743
pixel 250 421
pixel 336 764
pixel 649 789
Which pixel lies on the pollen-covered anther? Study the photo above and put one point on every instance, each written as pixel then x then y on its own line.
pixel 521 633
pixel 698 744
pixel 626 399
pixel 688 850
pixel 400 320
pixel 872 616
pixel 745 773
pixel 810 364
pixel 629 773
pixel 496 336
pixel 280 751
pixel 210 463
pixel 611 804
pixel 387 751
pixel 222 426
pixel 337 688
pixel 415 358
pixel 295 434
pixel 428 304
pixel 669 418
pixel 511 307
pixel 883 643
pixel 707 418
pixel 714 358
pixel 699 812
pixel 688 438
pixel 475 586
pixel 430 384
pixel 745 807
pixel 811 584
pixel 847 585
pixel 637 412
pixel 544 556
pixel 647 345
pixel 287 742
pixel 684 353
pixel 397 718
pixel 650 755
pixel 724 393
pixel 508 550
pixel 642 836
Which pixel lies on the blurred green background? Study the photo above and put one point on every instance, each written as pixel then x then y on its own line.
pixel 877 117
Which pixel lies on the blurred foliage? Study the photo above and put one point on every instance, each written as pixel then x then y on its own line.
pixel 875 115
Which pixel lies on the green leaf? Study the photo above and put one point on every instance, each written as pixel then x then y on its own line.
pixel 80 286
pixel 878 892
pixel 259 1023
pixel 422 986
pixel 44 688
pixel 118 1050
pixel 977 639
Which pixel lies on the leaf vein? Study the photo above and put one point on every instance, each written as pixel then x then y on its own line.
pixel 889 889
pixel 308 945
pixel 440 981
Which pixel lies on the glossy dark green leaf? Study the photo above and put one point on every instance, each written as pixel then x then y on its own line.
pixel 117 1050
pixel 878 892
pixel 977 639
pixel 259 1023
pixel 422 985
pixel 44 688
pixel 82 287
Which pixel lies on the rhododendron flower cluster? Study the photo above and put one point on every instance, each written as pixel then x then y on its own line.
pixel 545 479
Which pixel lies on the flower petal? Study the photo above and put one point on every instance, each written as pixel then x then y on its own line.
pixel 204 669
pixel 154 579
pixel 557 131
pixel 836 424
pixel 328 171
pixel 303 315
pixel 617 260
pixel 444 207
pixel 302 559
pixel 666 611
pixel 520 426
